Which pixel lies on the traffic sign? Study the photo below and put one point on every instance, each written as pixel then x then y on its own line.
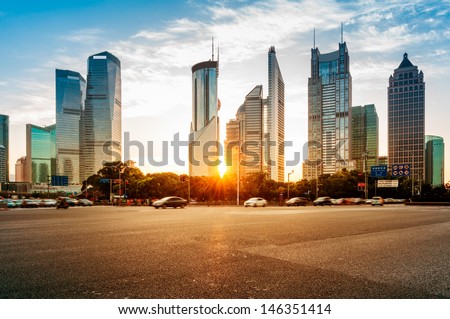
pixel 378 171
pixel 60 180
pixel 399 170
pixel 387 183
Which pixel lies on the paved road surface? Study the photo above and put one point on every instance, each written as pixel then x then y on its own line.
pixel 226 252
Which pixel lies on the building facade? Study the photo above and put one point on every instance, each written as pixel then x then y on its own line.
pixel 434 160
pixel 101 120
pixel 70 96
pixel 41 153
pixel 244 142
pixel 204 131
pixel 406 118
pixel 20 169
pixel 2 164
pixel 364 136
pixel 273 116
pixel 4 140
pixel 329 113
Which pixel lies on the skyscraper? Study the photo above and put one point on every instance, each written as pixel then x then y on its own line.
pixel 406 118
pixel 41 153
pixel 273 115
pixel 2 164
pixel 20 169
pixel 246 131
pixel 4 140
pixel 434 160
pixel 70 96
pixel 101 120
pixel 365 136
pixel 329 113
pixel 204 132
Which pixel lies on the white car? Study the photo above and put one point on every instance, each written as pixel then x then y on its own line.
pixel 255 201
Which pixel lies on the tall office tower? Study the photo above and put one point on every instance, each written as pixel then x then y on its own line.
pixel 247 132
pixel 101 120
pixel 232 148
pixel 204 132
pixel 434 160
pixel 406 118
pixel 20 169
pixel 2 164
pixel 41 153
pixel 273 127
pixel 70 96
pixel 4 140
pixel 329 113
pixel 364 136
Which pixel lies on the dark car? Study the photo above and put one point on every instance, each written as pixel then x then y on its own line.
pixel 71 201
pixel 322 201
pixel 29 203
pixel 297 201
pixel 170 201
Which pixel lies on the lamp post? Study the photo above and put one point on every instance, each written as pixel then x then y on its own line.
pixel 289 183
pixel 364 155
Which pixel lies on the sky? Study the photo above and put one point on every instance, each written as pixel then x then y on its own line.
pixel 158 42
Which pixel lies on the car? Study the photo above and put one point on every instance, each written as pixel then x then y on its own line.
pixel 170 201
pixel 325 200
pixel 9 203
pixel 377 200
pixel 47 203
pixel 29 203
pixel 255 201
pixel 337 201
pixel 71 201
pixel 85 202
pixel 297 201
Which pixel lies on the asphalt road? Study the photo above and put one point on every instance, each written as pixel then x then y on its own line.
pixel 226 252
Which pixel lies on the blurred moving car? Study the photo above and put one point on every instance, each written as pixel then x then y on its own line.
pixel 85 202
pixel 337 201
pixel 47 203
pixel 255 201
pixel 325 200
pixel 71 201
pixel 297 201
pixel 29 203
pixel 9 203
pixel 170 201
pixel 377 200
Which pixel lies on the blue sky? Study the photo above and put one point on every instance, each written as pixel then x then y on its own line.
pixel 158 41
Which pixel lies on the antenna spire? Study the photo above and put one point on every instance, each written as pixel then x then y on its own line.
pixel 342 32
pixel 212 48
pixel 314 38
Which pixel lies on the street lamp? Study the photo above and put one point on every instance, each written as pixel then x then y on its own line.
pixel 288 183
pixel 364 155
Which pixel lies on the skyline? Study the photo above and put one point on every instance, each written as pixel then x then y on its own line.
pixel 165 39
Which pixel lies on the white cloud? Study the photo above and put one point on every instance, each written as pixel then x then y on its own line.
pixel 84 35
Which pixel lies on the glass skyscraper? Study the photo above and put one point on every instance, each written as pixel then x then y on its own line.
pixel 4 140
pixel 329 113
pixel 101 121
pixel 434 160
pixel 204 132
pixel 365 136
pixel 41 153
pixel 246 133
pixel 273 115
pixel 406 118
pixel 70 96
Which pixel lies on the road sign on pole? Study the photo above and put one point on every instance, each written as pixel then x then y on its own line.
pixel 399 170
pixel 378 171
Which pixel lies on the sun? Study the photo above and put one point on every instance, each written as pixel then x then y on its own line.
pixel 222 168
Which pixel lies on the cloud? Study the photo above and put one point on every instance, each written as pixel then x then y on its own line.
pixel 84 35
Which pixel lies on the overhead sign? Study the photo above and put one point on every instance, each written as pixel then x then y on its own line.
pixel 399 170
pixel 378 171
pixel 60 180
pixel 387 183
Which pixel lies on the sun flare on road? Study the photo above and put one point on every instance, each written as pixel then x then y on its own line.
pixel 222 168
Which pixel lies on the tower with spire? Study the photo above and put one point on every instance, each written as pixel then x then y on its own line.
pixel 406 118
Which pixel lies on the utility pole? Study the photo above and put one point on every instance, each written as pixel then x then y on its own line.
pixel 289 183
